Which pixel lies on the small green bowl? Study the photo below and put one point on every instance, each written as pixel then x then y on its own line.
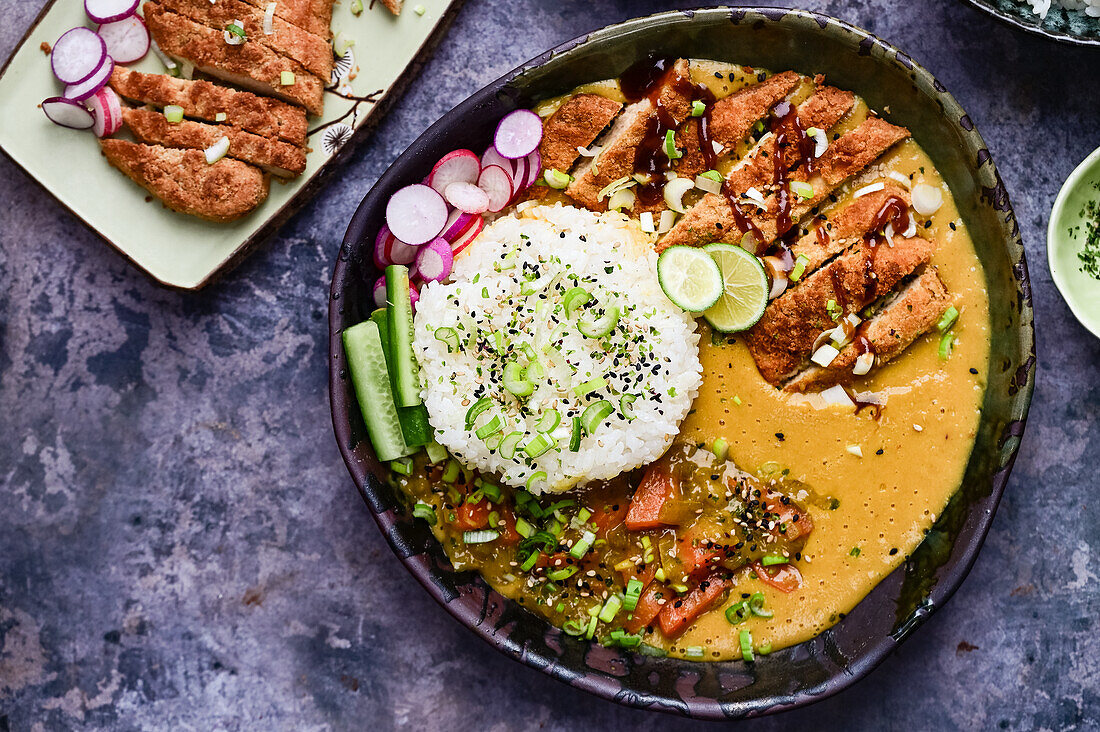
pixel 1066 237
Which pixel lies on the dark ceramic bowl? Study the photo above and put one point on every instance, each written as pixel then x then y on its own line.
pixel 1064 26
pixel 887 79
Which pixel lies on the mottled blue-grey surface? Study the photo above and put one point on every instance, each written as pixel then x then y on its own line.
pixel 181 546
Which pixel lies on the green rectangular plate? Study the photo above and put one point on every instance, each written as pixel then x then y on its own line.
pixel 174 249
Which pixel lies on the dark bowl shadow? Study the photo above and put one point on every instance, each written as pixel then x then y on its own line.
pixel 776 39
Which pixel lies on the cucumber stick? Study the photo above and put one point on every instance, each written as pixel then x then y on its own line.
pixel 371 380
pixel 414 420
pixel 406 372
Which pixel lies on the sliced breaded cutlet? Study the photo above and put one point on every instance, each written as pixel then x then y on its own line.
pixel 712 219
pixel 733 117
pixel 620 143
pixel 273 156
pixel 186 183
pixel 311 51
pixel 782 341
pixel 203 100
pixel 251 65
pixel 576 123
pixel 906 316
pixel 314 16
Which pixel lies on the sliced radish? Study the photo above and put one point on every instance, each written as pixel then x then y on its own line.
pixel 467 197
pixel 107 110
pixel 67 113
pixel 127 39
pixel 381 258
pixel 380 292
pixel 77 55
pixel 399 252
pixel 459 166
pixel 492 157
pixel 518 134
pixel 88 87
pixel 416 214
pixel 496 182
pixel 434 260
pixel 414 296
pixel 534 168
pixel 457 223
pixel 464 241
pixel 108 11
pixel 519 175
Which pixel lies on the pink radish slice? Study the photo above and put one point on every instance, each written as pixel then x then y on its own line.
pixel 77 55
pixel 381 258
pixel 67 113
pixel 467 197
pixel 416 214
pixel 518 134
pixel 107 110
pixel 88 87
pixel 459 166
pixel 456 224
pixel 108 11
pixel 464 241
pixel 127 39
pixel 399 252
pixel 414 297
pixel 496 182
pixel 492 157
pixel 434 260
pixel 380 292
pixel 534 168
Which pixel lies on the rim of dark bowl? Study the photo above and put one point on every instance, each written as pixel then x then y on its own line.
pixel 686 687
pixel 1023 23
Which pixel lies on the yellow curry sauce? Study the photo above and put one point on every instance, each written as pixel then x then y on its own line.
pixel 869 513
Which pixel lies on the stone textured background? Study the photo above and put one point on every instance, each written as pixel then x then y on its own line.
pixel 181 546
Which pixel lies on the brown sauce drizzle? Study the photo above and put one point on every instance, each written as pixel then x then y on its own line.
pixel 744 223
pixel 894 211
pixel 823 236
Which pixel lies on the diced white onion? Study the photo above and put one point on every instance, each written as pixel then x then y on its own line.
pixel 855 450
pixel 645 220
pixel 918 428
pixel 853 319
pixel 821 140
pixel 756 197
pixel 871 397
pixel 168 63
pixel 899 178
pixel 674 193
pixel 779 286
pixel 927 199
pixel 187 70
pixel 708 184
pixel 623 198
pixel 824 355
pixel 911 230
pixel 888 232
pixel 669 175
pixel 864 362
pixel 716 147
pixel 589 152
pixel 232 38
pixel 838 336
pixel 836 396
pixel 869 189
pixel 802 189
pixel 269 20
pixel 217 151
pixel 668 220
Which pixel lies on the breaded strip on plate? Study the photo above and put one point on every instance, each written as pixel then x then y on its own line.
pixel 732 118
pixel 202 99
pixel 313 16
pixel 911 312
pixel 312 51
pixel 275 157
pixel 251 65
pixel 576 123
pixel 186 183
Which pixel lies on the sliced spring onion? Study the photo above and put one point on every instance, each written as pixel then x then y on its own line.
pixel 594 415
pixel 572 627
pixel 583 545
pixel 746 645
pixel 173 113
pixel 539 444
pixel 616 185
pixel 601 326
pixel 803 190
pixel 765 648
pixel 286 78
pixel 557 575
pixel 515 380
pixel 737 613
pixel 799 268
pixel 491 427
pixel 670 146
pixel 549 421
pixel 217 151
pixel 947 345
pixel 269 19
pixel 610 609
pixel 621 199
pixel 448 336
pixel 674 192
pixel 529 562
pixel 508 445
pixel 590 386
pixel 756 605
pixel 476 409
pixel 626 406
pixel 865 190
pixel 489 490
pixel 574 298
pixel 713 175
pixel 221 117
pixel 419 9
pixel 234 33
pixel 426 512
pixel 591 629
pixel 356 7
pixel 633 593
pixel 668 220
pixel 436 452
pixel 621 639
pixel 771 559
pixel 524 527
pixel 693 652
pixel 404 466
pixel 833 309
pixel 450 473
pixel 824 355
pixel 557 179
pixel 721 448
pixel 947 319
pixel 481 536
pixel 705 183
pixel 575 435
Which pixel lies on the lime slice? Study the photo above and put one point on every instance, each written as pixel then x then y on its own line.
pixel 745 290
pixel 690 278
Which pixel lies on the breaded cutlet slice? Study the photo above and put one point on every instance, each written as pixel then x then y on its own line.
pixel 313 16
pixel 311 51
pixel 263 116
pixel 782 341
pixel 909 314
pixel 733 117
pixel 251 65
pixel 576 123
pixel 394 6
pixel 620 143
pixel 273 156
pixel 712 218
pixel 186 183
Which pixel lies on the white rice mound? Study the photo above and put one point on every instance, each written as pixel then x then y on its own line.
pixel 651 354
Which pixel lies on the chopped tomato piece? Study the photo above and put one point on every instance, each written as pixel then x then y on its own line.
pixel 648 608
pixel 678 614
pixel 643 573
pixel 506 525
pixel 696 554
pixel 796 520
pixel 607 517
pixel 783 577
pixel 659 484
pixel 471 516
